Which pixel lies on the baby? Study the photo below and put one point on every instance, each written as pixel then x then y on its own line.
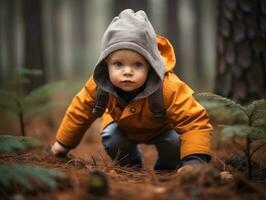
pixel 135 66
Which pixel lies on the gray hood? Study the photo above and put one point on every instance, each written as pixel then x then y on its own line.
pixel 132 31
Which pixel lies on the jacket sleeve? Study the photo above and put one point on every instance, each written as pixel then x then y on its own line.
pixel 78 116
pixel 187 116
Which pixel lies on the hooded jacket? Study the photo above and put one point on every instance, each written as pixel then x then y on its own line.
pixel 133 31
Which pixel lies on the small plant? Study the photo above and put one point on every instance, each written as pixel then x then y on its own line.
pixel 35 102
pixel 38 101
pixel 247 121
pixel 27 176
pixel 24 176
pixel 9 143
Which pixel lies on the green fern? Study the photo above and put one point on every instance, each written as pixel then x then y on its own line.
pixel 223 109
pixel 41 95
pixel 9 143
pixel 37 101
pixel 219 101
pixel 42 109
pixel 253 116
pixel 243 130
pixel 24 175
pixel 257 113
pixel 24 71
pixel 9 101
pixel 27 176
pixel 251 120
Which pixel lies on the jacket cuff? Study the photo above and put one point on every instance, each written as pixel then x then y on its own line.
pixel 65 146
pixel 196 159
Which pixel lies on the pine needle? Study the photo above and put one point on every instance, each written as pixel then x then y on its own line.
pixel 24 175
pixel 9 143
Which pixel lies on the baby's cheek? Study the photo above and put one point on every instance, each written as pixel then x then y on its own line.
pixel 113 79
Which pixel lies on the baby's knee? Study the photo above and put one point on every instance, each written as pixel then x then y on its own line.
pixel 115 142
pixel 168 145
pixel 170 141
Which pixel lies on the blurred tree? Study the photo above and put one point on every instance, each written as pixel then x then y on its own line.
pixel 241 50
pixel 52 36
pixel 198 38
pixel 9 12
pixel 172 30
pixel 34 58
pixel 79 32
pixel 136 5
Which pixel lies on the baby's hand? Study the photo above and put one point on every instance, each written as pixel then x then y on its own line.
pixel 58 150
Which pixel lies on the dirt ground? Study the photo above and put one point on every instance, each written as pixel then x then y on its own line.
pixel 128 183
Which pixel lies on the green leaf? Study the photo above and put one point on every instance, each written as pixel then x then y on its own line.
pixel 44 109
pixel 25 71
pixel 24 174
pixel 219 100
pixel 258 133
pixel 232 130
pixel 242 130
pixel 9 143
pixel 42 95
pixel 260 123
pixel 255 105
pixel 222 108
pixel 257 111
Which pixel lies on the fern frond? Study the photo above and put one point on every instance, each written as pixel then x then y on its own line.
pixel 24 174
pixel 260 123
pixel 45 108
pixel 25 71
pixel 242 130
pixel 258 133
pixel 257 111
pixel 222 108
pixel 209 105
pixel 9 143
pixel 232 130
pixel 42 94
pixel 257 104
pixel 224 116
pixel 220 100
pixel 9 102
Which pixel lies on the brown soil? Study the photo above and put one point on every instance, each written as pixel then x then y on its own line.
pixel 128 183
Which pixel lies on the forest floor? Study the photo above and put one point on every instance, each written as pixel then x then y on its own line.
pixel 129 184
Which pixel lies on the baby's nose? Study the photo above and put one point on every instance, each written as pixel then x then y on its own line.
pixel 128 70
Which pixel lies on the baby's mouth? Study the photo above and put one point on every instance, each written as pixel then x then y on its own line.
pixel 126 81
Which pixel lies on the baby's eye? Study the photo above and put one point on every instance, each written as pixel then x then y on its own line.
pixel 138 64
pixel 118 64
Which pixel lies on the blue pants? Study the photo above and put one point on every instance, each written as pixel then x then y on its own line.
pixel 127 153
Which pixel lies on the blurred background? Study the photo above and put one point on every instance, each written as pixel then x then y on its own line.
pixel 61 39
pixel 220 47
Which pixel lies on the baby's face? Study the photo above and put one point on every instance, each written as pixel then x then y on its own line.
pixel 128 70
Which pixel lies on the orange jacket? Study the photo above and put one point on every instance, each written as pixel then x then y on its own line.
pixel 184 114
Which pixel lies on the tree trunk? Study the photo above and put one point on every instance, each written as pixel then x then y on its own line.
pixel 241 50
pixel 198 38
pixel 79 36
pixel 34 58
pixel 120 5
pixel 8 42
pixel 172 30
